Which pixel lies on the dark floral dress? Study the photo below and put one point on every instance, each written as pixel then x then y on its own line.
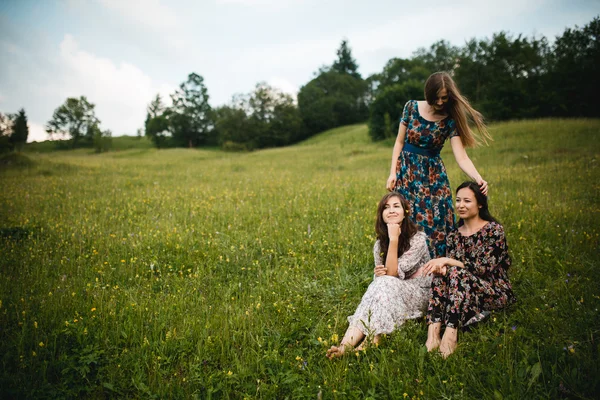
pixel 422 179
pixel 465 296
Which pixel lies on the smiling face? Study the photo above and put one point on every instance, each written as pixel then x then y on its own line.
pixel 393 213
pixel 466 204
pixel 442 98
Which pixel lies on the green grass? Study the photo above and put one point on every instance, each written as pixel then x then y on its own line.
pixel 197 273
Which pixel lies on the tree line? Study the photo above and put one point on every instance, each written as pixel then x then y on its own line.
pixel 505 77
pixel 13 131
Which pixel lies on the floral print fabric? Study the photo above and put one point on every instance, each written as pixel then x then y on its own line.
pixel 391 300
pixel 422 179
pixel 465 295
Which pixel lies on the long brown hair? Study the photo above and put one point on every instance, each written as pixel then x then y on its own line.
pixel 407 229
pixel 458 108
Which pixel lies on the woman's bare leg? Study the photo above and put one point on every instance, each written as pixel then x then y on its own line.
pixel 449 342
pixel 376 339
pixel 352 337
pixel 433 336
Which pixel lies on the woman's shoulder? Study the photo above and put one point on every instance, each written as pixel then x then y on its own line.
pixel 411 104
pixel 418 238
pixel 494 228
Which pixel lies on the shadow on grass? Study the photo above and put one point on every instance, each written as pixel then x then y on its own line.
pixel 15 233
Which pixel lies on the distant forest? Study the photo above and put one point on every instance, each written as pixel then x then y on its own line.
pixel 505 77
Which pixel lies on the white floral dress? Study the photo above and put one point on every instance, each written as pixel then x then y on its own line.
pixel 391 300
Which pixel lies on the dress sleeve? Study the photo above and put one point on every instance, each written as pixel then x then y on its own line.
pixel 498 255
pixel 415 257
pixel 452 129
pixel 377 253
pixel 405 114
pixel 494 251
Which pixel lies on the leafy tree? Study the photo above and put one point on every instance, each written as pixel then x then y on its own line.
pixel 401 80
pixel 345 64
pixel 332 99
pixel 6 126
pixel 264 118
pixel 503 75
pixel 286 127
pixel 157 123
pixel 190 122
pixel 573 77
pixel 20 130
pixel 102 139
pixel 274 116
pixel 387 108
pixel 231 125
pixel 155 108
pixel 157 129
pixel 441 56
pixel 74 117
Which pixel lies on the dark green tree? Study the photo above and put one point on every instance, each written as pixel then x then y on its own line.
pixel 503 75
pixel 332 99
pixel 264 118
pixel 191 122
pixel 102 140
pixel 345 63
pixel 441 56
pixel 401 80
pixel 573 72
pixel 73 118
pixel 156 125
pixel 274 117
pixel 6 125
pixel 232 128
pixel 20 131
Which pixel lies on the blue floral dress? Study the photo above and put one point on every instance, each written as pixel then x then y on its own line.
pixel 421 175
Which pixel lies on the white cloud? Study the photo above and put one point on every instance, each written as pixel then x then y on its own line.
pixel 121 92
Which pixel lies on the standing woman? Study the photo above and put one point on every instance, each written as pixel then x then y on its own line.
pixel 472 280
pixel 417 171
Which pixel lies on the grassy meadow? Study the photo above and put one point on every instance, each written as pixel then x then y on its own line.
pixel 180 273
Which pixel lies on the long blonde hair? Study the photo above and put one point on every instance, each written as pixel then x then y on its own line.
pixel 458 108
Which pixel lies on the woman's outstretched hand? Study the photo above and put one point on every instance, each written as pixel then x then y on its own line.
pixel 391 182
pixel 437 266
pixel 380 270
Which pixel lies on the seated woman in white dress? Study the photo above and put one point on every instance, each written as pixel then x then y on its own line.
pixel 399 291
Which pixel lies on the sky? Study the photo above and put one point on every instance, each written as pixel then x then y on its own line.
pixel 121 53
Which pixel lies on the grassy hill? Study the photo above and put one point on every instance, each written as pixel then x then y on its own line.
pixel 118 143
pixel 197 273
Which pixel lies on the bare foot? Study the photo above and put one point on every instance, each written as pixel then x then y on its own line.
pixel 449 342
pixel 336 351
pixel 433 336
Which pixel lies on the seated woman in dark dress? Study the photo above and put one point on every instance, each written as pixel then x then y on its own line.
pixel 472 280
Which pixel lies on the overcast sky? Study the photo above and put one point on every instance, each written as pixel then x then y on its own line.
pixel 120 53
